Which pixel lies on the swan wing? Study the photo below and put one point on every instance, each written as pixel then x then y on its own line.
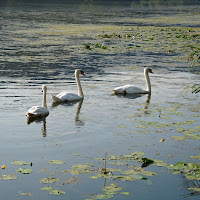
pixel 66 96
pixel 37 111
pixel 129 89
pixel 55 99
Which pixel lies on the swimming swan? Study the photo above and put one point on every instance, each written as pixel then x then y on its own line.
pixel 131 89
pixel 39 111
pixel 66 96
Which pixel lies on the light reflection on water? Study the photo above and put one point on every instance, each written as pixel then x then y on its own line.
pixel 102 122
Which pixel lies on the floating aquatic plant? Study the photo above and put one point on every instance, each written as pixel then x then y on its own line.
pixel 25 194
pixel 20 163
pixel 8 177
pixel 57 162
pixel 190 170
pixel 49 180
pixel 24 171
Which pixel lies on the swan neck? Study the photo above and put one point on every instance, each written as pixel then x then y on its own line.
pixel 44 102
pixel 148 83
pixel 80 91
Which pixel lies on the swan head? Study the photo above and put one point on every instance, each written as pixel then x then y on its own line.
pixel 44 88
pixel 79 71
pixel 148 70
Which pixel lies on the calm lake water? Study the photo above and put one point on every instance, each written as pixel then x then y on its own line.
pixel 43 43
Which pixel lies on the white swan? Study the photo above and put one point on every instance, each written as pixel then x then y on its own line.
pixel 66 96
pixel 131 89
pixel 39 111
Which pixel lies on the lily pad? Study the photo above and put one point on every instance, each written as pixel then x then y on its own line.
pixel 195 157
pixel 148 173
pixel 159 163
pixel 117 163
pixel 124 178
pixel 193 136
pixel 194 189
pixel 57 162
pixel 79 167
pixel 48 188
pixel 137 153
pixel 24 171
pixel 111 189
pixel 56 192
pixel 113 158
pixel 178 138
pixel 125 193
pixel 188 122
pixel 131 172
pixel 192 176
pixel 49 180
pixel 19 163
pixel 8 177
pixel 25 194
pixel 103 196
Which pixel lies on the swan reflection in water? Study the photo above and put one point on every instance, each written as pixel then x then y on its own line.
pixel 77 121
pixel 134 96
pixel 38 120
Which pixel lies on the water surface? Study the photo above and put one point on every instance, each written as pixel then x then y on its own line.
pixel 45 44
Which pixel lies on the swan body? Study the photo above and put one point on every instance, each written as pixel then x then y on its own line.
pixel 39 111
pixel 131 89
pixel 66 96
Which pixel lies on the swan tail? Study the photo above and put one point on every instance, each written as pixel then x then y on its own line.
pixel 55 99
